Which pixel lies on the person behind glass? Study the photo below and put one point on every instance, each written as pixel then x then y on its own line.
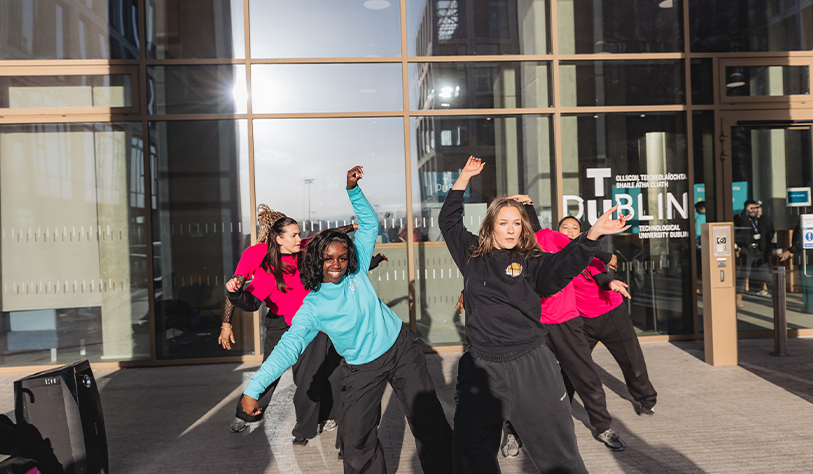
pixel 378 348
pixel 606 320
pixel 508 372
pixel 274 266
pixel 753 234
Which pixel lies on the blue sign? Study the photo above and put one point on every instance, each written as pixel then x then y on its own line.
pixel 739 193
pixel 798 197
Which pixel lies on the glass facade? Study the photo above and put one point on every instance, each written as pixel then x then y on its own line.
pixel 138 137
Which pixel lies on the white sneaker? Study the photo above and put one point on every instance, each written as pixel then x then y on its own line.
pixel 329 425
pixel 510 447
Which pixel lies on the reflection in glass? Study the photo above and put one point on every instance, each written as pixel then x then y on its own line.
pixel 702 81
pixel 37 92
pixel 180 29
pixel 74 268
pixel 197 90
pixel 56 29
pixel 599 83
pixel 704 185
pixel 325 29
pixel 765 164
pixel 302 88
pixel 476 27
pixel 300 168
pixel 479 85
pixel 619 26
pixel 198 235
pixel 767 81
pixel 758 25
pixel 640 162
pixel 518 153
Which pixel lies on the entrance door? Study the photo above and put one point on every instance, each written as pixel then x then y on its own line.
pixel 769 175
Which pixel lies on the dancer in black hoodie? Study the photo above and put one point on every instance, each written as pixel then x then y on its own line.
pixel 508 372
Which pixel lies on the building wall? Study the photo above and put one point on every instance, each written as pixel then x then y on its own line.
pixel 137 138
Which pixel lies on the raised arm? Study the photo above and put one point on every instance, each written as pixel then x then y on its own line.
pixel 450 220
pixel 368 221
pixel 528 204
pixel 554 271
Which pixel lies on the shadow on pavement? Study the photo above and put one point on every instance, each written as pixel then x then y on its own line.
pixel 173 419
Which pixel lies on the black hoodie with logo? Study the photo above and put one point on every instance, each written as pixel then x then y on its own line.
pixel 503 288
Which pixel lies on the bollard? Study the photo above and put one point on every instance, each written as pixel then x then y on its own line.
pixel 780 326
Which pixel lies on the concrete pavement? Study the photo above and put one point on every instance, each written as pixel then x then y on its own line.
pixel 753 418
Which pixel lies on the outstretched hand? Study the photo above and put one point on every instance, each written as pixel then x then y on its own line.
pixel 251 406
pixel 354 174
pixel 619 286
pixel 606 225
pixel 473 167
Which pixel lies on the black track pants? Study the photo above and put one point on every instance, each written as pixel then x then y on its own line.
pixel 404 367
pixel 275 327
pixel 313 397
pixel 569 344
pixel 614 330
pixel 525 387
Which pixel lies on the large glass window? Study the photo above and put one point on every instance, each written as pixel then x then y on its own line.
pixel 597 83
pixel 325 29
pixel 619 26
pixel 767 81
pixel 300 168
pixel 55 29
pixel 198 233
pixel 197 90
pixel 302 88
pixel 74 267
pixel 479 85
pixel 770 165
pixel 640 162
pixel 37 92
pixel 476 27
pixel 178 29
pixel 702 81
pixel 518 150
pixel 758 25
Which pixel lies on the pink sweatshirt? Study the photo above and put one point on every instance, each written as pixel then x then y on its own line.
pixel 250 261
pixel 264 287
pixel 592 300
pixel 560 307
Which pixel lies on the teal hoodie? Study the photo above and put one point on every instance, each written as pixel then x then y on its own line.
pixel 360 325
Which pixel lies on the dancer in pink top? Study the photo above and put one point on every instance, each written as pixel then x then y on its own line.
pixel 567 341
pixel 599 300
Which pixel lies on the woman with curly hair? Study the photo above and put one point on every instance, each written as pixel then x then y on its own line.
pixel 378 348
pixel 273 264
pixel 507 371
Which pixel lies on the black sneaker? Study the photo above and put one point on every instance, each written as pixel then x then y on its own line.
pixel 237 425
pixel 611 439
pixel 341 455
pixel 300 442
pixel 644 410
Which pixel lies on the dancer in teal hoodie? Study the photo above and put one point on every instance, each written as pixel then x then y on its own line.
pixel 376 345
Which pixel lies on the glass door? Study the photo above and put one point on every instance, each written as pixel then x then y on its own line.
pixel 770 179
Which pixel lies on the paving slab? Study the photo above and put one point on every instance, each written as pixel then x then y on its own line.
pixel 756 417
